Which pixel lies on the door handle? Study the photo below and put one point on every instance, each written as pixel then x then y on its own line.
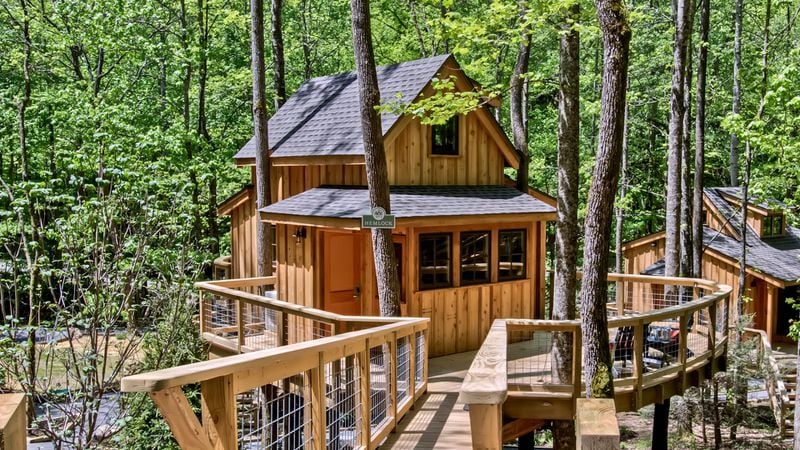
pixel 356 291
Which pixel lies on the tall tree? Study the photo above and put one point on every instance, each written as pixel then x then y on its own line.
pixel 278 60
pixel 700 141
pixel 519 128
pixel 737 90
pixel 672 245
pixel 613 18
pixel 375 157
pixel 567 225
pixel 263 238
pixel 686 164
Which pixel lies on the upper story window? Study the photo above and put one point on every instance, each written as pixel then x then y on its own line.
pixel 511 255
pixel 434 261
pixel 475 257
pixel 772 226
pixel 444 138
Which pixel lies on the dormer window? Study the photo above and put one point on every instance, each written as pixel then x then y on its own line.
pixel 444 138
pixel 772 226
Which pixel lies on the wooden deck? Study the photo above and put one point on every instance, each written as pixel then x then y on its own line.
pixel 438 420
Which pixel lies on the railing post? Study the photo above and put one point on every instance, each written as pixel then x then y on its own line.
pixel 620 297
pixel 202 306
pixel 240 324
pixel 577 361
pixel 712 336
pixel 13 422
pixel 486 422
pixel 316 377
pixel 218 403
pixel 596 425
pixel 412 367
pixel 393 377
pixel 364 398
pixel 638 361
pixel 683 348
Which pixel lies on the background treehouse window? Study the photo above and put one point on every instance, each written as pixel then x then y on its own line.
pixel 273 231
pixel 511 259
pixel 445 138
pixel 772 226
pixel 434 261
pixel 475 257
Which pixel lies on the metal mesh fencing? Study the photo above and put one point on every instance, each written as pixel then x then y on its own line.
pixel 420 358
pixel 380 386
pixel 343 397
pixel 529 358
pixel 403 369
pixel 274 416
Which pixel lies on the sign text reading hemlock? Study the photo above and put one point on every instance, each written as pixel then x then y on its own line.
pixel 378 219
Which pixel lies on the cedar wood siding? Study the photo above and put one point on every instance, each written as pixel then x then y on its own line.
pixel 460 316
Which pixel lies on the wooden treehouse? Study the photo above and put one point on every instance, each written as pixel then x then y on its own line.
pixel 773 256
pixel 471 248
pixel 300 360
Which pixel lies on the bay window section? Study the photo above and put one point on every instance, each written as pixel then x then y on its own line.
pixel 511 255
pixel 434 261
pixel 475 257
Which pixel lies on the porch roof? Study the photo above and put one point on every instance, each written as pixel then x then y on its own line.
pixel 343 206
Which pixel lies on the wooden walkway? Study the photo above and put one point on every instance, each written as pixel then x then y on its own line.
pixel 438 420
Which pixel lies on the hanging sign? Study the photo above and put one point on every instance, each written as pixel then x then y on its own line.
pixel 378 219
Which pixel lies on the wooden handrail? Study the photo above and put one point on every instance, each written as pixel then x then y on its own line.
pixel 274 363
pixel 486 383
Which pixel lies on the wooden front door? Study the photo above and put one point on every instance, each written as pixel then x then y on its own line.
pixel 342 276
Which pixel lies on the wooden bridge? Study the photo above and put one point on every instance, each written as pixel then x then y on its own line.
pixel 305 377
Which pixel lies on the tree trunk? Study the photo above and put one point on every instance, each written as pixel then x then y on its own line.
pixel 202 69
pixel 25 99
pixel 686 159
pixel 304 25
pixel 564 285
pixel 278 60
pixel 672 244
pixel 700 141
pixel 517 101
pixel 375 158
pixel 737 96
pixel 620 210
pixel 616 33
pixel 263 240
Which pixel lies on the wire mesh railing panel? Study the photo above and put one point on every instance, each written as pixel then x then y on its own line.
pixel 220 316
pixel 275 416
pixel 698 333
pixel 662 343
pixel 302 329
pixel 261 328
pixel 622 342
pixel 721 327
pixel 343 397
pixel 380 397
pixel 403 369
pixel 529 357
pixel 420 358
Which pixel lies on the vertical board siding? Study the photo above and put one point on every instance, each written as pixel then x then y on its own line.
pixel 461 317
pixel 479 162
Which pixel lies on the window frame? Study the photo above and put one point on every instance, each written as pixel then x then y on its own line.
pixel 488 256
pixel 427 287
pixel 437 150
pixel 500 254
pixel 768 226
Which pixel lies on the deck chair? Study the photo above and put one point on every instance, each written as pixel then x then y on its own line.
pixel 623 345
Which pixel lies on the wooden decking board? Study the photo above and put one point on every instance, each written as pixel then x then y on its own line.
pixel 438 420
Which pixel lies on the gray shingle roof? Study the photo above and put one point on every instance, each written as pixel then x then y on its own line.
pixel 352 202
pixel 323 118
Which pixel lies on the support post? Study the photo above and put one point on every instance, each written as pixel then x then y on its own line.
pixel 218 403
pixel 596 425
pixel 13 422
pixel 661 426
pixel 486 423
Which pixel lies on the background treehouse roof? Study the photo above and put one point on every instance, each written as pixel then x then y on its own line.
pixel 322 117
pixel 776 256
